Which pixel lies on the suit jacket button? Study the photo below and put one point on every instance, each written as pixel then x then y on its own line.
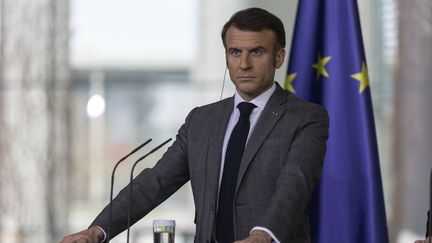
pixel 213 208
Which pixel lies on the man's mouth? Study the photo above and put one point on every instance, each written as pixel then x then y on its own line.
pixel 245 77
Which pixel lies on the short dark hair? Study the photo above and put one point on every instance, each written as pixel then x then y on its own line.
pixel 256 19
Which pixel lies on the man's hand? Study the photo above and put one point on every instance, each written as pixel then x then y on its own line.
pixel 428 240
pixel 257 236
pixel 92 235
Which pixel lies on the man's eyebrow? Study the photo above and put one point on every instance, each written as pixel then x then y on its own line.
pixel 258 48
pixel 233 49
pixel 252 49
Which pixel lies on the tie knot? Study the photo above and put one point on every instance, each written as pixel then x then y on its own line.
pixel 245 108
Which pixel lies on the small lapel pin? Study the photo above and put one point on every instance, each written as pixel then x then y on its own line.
pixel 275 113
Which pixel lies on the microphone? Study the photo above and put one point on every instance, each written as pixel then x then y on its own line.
pixel 112 183
pixel 130 184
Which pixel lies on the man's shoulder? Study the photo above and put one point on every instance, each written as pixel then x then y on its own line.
pixel 211 111
pixel 292 101
pixel 297 104
pixel 217 106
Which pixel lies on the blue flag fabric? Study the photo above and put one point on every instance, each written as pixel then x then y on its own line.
pixel 328 66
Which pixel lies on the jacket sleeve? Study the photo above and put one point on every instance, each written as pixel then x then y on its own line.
pixel 150 188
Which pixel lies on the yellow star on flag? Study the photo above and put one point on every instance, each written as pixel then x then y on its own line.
pixel 288 82
pixel 362 77
pixel 319 66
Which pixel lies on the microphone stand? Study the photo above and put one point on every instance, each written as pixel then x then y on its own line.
pixel 430 211
pixel 131 184
pixel 112 184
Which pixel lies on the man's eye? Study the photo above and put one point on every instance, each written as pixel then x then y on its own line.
pixel 235 53
pixel 256 52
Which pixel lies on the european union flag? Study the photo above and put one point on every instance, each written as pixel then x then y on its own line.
pixel 328 66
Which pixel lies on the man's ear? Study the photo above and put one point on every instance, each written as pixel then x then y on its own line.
pixel 279 58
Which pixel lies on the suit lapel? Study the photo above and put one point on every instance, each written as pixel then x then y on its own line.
pixel 269 117
pixel 216 138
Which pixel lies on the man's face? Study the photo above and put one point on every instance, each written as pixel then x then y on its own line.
pixel 252 60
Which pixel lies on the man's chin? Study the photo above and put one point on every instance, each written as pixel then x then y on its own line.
pixel 246 90
pixel 247 93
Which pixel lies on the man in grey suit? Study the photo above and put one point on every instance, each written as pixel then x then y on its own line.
pixel 271 181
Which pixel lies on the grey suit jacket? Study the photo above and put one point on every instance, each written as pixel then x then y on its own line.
pixel 281 165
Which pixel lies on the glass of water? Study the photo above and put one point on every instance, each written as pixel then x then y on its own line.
pixel 163 231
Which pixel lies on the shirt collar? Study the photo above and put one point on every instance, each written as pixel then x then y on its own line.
pixel 260 101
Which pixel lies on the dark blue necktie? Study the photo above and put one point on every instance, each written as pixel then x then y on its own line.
pixel 233 157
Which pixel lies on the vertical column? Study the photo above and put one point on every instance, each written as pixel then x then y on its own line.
pixel 413 115
pixel 95 113
pixel 33 119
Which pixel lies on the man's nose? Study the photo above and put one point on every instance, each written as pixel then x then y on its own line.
pixel 245 62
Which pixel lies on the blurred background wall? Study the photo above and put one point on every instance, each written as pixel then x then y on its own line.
pixel 84 82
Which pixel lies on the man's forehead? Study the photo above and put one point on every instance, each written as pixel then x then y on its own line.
pixel 250 38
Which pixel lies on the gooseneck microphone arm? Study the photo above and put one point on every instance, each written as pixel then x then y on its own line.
pixel 112 184
pixel 131 184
